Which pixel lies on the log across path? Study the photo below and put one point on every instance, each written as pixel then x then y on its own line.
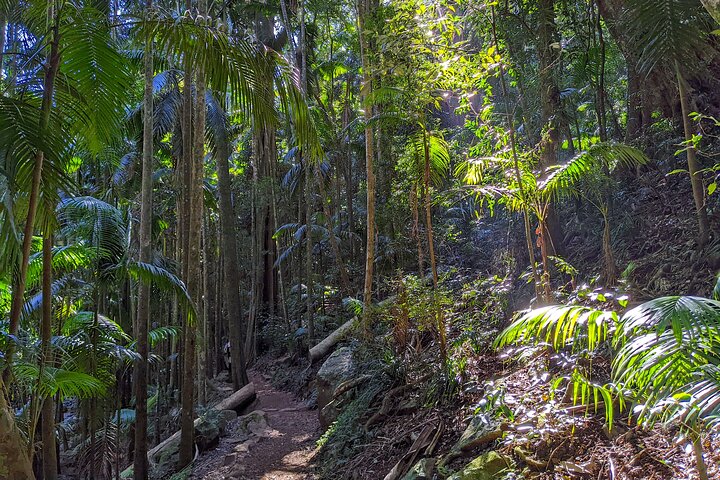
pixel 283 451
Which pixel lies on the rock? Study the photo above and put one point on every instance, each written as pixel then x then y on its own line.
pixel 245 446
pixel 479 433
pixel 485 467
pixel 713 7
pixel 207 432
pixel 338 368
pixel 230 459
pixel 423 470
pixel 225 417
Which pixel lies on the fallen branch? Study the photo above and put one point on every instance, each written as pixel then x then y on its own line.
pixel 350 384
pixel 386 405
pixel 426 441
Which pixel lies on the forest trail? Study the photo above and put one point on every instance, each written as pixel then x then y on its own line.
pixel 283 451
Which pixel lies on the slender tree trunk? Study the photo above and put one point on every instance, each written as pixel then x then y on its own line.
pixel 610 267
pixel 203 336
pixel 428 210
pixel 190 263
pixel 281 285
pixel 140 470
pixel 693 164
pixel 18 292
pixel 12 451
pixel 308 252
pixel 415 231
pixel 516 166
pixel 334 245
pixel 230 265
pixel 365 10
pixel 549 55
pixel 3 33
pixel 431 248
pixel 47 427
pixel 600 96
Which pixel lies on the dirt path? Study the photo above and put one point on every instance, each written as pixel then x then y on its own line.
pixel 282 452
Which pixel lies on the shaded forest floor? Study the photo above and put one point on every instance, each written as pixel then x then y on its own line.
pixel 282 450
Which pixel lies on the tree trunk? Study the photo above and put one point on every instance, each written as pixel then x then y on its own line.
pixel 190 267
pixel 693 164
pixel 549 54
pixel 14 461
pixel 3 33
pixel 230 265
pixel 365 10
pixel 47 427
pixel 713 7
pixel 516 165
pixel 431 249
pixel 140 470
pixel 308 252
pixel 415 232
pixel 18 292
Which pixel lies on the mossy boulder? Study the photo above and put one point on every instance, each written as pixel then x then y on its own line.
pixel 487 466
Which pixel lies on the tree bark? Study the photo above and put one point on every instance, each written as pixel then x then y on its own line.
pixel 18 292
pixel 140 470
pixel 230 265
pixel 693 164
pixel 14 460
pixel 365 10
pixel 190 269
pixel 549 54
pixel 47 427
pixel 334 245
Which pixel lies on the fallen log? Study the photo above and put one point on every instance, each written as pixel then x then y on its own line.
pixel 323 348
pixel 237 401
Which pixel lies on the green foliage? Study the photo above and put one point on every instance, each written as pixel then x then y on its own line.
pixel 666 31
pixel 665 357
pixel 578 327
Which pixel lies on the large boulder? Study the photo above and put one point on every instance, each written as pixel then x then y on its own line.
pixel 207 432
pixel 487 466
pixel 338 368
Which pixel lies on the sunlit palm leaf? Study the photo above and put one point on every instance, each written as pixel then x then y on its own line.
pixel 577 327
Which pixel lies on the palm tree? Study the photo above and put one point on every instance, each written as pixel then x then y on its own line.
pixel 140 470
pixel 95 79
pixel 364 14
pixel 588 175
pixel 664 358
pixel 668 32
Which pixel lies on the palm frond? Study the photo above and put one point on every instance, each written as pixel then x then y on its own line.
pixel 577 327
pixel 97 76
pixel 50 381
pixel 666 31
pixel 597 161
pixel 668 348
